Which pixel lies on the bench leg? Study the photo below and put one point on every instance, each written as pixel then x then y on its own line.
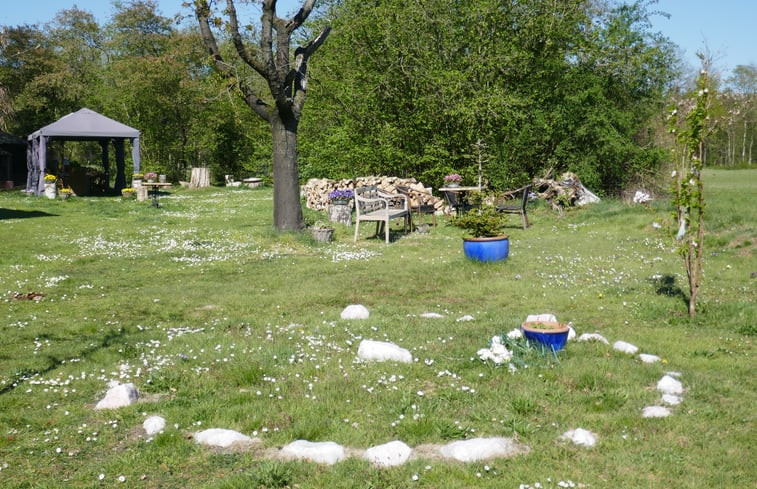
pixel 357 226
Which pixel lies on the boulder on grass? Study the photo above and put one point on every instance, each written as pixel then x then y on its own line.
pixel 477 449
pixel 325 452
pixel 154 425
pixel 355 311
pixel 389 454
pixel 220 437
pixel 121 395
pixel 382 351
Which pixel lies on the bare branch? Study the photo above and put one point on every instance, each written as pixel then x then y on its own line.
pixel 258 105
pixel 244 55
pixel 300 75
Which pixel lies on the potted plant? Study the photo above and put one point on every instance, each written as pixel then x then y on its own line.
pixel 128 192
pixel 136 180
pixel 151 176
pixel 322 231
pixel 551 334
pixel 453 180
pixel 65 193
pixel 339 208
pixel 487 241
pixel 50 189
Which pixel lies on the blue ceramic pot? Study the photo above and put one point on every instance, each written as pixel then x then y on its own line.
pixel 553 337
pixel 487 249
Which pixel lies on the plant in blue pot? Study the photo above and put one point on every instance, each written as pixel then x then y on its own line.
pixel 487 241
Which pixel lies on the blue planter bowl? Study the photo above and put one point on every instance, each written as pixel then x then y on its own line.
pixel 487 249
pixel 553 338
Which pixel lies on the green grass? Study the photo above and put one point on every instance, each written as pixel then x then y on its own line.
pixel 221 322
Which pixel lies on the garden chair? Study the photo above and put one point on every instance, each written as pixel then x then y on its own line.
pixel 518 209
pixel 421 208
pixel 371 204
pixel 457 202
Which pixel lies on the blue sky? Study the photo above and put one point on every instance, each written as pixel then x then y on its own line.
pixel 724 26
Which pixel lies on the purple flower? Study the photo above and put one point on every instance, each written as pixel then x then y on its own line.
pixel 340 194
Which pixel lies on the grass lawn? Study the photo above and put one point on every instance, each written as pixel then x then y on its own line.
pixel 222 323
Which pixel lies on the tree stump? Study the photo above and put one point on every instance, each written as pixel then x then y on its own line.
pixel 200 178
pixel 341 213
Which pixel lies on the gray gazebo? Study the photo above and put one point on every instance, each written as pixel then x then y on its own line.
pixel 82 125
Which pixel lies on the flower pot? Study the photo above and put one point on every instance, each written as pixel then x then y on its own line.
pixel 487 249
pixel 136 183
pixel 452 184
pixel 51 191
pixel 322 234
pixel 340 211
pixel 552 335
pixel 64 195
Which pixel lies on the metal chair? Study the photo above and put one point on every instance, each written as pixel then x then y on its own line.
pixel 456 203
pixel 421 208
pixel 518 209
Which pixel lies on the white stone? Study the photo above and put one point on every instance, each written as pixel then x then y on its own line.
pixel 647 358
pixel 467 317
pixel 655 412
pixel 220 437
pixel 671 399
pixel 431 315
pixel 541 318
pixel 324 452
pixel 480 449
pixel 154 425
pixel 571 333
pixel 355 311
pixel 580 436
pixel 119 396
pixel 624 347
pixel 593 337
pixel 382 351
pixel 669 385
pixel 389 454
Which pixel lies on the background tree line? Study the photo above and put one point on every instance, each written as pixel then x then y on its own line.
pixel 399 88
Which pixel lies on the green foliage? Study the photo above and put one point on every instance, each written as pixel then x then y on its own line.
pixel 482 222
pixel 561 86
pixel 688 187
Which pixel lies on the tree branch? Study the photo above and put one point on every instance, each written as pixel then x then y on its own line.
pixel 258 105
pixel 236 38
pixel 300 72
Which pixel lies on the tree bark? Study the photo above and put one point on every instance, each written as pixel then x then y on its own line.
pixel 287 211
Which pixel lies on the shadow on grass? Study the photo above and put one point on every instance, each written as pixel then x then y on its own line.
pixel 16 214
pixel 23 373
pixel 666 285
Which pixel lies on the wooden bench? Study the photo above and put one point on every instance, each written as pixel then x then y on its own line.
pixel 371 204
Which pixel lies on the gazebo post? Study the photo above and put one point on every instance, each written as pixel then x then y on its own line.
pixel 120 164
pixel 106 163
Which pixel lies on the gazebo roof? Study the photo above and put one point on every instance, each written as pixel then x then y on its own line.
pixel 86 123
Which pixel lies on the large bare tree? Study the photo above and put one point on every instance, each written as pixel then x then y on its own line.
pixel 286 78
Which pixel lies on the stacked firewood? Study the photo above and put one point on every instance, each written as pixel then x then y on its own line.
pixel 316 191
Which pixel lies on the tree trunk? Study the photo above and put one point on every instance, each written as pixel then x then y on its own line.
pixel 200 178
pixel 287 210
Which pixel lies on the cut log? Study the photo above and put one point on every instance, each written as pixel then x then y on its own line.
pixel 200 178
